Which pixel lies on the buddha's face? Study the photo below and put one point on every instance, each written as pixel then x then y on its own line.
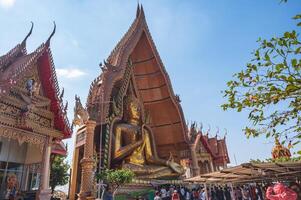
pixel 134 109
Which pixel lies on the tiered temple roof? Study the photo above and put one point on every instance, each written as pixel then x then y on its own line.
pixel 152 82
pixel 217 148
pixel 16 64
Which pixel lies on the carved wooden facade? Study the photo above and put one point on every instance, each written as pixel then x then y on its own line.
pixel 31 107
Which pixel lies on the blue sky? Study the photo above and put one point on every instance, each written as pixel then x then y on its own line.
pixel 202 44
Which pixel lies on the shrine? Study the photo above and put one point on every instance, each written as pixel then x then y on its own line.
pixel 206 154
pixel 134 120
pixel 33 121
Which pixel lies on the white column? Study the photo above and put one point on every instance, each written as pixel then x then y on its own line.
pixel 45 192
pixel 46 168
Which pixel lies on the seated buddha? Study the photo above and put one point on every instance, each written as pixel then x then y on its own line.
pixel 134 146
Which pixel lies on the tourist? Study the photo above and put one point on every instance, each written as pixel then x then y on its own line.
pixel 195 194
pixel 245 193
pixel 220 194
pixel 175 195
pixel 163 193
pixel 108 195
pixel 157 196
pixel 213 194
pixel 238 194
pixel 297 188
pixel 168 195
pixel 188 195
pixel 182 193
pixel 259 192
pixel 202 194
pixel 227 193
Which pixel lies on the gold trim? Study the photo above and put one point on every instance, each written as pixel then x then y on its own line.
pixel 22 136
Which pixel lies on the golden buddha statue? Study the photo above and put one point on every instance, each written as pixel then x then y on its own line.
pixel 134 146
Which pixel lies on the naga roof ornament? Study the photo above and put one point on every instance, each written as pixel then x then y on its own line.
pixel 23 43
pixel 47 43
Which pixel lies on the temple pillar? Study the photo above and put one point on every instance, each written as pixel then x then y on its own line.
pixel 44 191
pixel 74 173
pixel 211 166
pixel 195 166
pixel 87 163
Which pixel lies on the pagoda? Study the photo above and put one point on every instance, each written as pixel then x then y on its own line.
pixel 33 120
pixel 279 151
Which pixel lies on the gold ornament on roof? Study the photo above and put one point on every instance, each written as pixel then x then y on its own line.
pixel 81 115
pixel 279 151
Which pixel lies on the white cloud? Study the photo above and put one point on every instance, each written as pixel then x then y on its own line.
pixel 70 73
pixel 7 3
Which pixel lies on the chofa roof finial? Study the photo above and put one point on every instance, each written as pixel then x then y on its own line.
pixel 138 9
pixel 141 10
pixel 217 132
pixel 226 133
pixel 28 34
pixel 53 32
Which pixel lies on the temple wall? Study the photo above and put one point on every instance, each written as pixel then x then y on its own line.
pixel 33 155
pixel 12 151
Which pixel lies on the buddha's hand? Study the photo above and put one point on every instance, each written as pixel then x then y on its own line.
pixel 175 167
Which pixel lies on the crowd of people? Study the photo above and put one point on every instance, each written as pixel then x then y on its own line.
pixel 195 193
pixel 240 192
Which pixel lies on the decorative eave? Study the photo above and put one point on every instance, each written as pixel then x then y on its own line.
pixel 59 148
pixel 224 151
pixel 205 143
pixel 42 55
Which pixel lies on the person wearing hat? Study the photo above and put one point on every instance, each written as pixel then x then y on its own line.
pixel 175 195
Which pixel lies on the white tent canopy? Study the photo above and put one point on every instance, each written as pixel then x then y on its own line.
pixel 252 172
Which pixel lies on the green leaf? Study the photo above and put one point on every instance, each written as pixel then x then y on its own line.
pixel 278 67
pixel 291 88
pixel 267 57
pixel 297 16
pixel 294 62
pixel 298 50
pixel 287 34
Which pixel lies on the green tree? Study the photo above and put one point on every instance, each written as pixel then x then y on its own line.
pixel 269 88
pixel 59 172
pixel 116 178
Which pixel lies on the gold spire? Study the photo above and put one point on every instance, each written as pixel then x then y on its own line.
pixel 279 151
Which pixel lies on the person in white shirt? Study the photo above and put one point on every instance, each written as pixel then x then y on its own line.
pixel 182 191
pixel 163 193
pixel 157 196
pixel 188 195
pixel 202 195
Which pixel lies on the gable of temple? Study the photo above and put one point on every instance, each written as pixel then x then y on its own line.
pixel 30 98
pixel 217 149
pixel 137 51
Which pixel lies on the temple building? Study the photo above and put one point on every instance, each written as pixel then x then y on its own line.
pixel 206 154
pixel 33 121
pixel 134 120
